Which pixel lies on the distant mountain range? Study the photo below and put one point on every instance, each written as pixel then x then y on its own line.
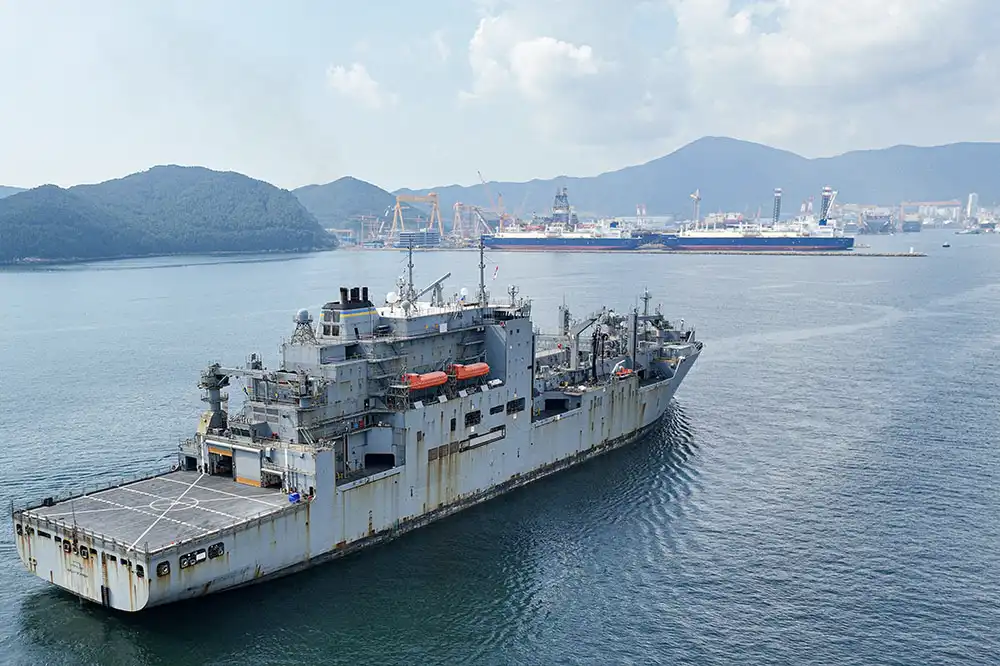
pixel 165 210
pixel 734 175
pixel 172 209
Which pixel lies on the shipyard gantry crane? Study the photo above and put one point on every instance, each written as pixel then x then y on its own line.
pixel 503 217
pixel 397 215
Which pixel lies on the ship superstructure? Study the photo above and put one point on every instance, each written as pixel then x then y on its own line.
pixel 377 420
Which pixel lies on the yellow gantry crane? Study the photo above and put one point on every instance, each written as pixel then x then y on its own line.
pixel 397 214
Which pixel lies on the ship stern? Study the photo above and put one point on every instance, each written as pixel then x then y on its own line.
pixel 81 564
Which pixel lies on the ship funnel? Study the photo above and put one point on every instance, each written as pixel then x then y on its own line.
pixel 343 295
pixel 355 294
pixel 364 294
pixel 824 208
pixel 777 205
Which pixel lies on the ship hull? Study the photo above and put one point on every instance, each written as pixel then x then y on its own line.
pixel 343 518
pixel 513 244
pixel 757 243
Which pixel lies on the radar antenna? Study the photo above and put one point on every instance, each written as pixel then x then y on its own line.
pixel 645 302
pixel 304 333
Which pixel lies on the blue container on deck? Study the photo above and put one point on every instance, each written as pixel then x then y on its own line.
pixel 294 497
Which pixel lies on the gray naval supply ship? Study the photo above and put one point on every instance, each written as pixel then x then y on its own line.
pixel 378 421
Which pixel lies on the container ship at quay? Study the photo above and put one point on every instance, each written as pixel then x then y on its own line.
pixel 378 420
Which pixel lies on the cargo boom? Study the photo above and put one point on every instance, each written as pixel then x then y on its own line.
pixel 379 420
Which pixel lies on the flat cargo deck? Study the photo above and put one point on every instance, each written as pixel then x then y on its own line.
pixel 154 513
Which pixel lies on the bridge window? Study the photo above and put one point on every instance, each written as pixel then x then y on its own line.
pixel 473 418
pixel 496 410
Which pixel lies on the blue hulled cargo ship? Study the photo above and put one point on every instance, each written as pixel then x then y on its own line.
pixel 755 240
pixel 562 232
pixel 803 234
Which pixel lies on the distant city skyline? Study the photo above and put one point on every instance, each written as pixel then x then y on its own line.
pixel 417 96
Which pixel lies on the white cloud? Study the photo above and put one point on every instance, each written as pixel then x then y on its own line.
pixel 440 45
pixel 356 84
pixel 812 75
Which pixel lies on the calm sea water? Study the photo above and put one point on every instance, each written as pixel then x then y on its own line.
pixel 823 491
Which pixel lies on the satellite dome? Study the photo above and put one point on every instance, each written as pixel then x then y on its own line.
pixel 302 317
pixel 391 297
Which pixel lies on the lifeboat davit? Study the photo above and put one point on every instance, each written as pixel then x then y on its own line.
pixel 417 382
pixel 470 371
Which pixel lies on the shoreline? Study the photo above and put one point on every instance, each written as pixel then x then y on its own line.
pixel 33 262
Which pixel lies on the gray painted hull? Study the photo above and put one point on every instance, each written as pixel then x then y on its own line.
pixel 284 543
pixel 401 527
pixel 377 422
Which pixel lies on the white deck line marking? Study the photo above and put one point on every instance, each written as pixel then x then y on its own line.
pixel 170 508
pixel 173 503
pixel 71 513
pixel 221 499
pixel 147 513
pixel 223 492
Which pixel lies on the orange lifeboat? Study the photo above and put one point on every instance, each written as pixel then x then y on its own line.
pixel 621 373
pixel 427 380
pixel 470 371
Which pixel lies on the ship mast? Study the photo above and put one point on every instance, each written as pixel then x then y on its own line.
pixel 409 274
pixel 483 297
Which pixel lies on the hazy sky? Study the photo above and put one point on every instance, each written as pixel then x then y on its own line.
pixel 426 93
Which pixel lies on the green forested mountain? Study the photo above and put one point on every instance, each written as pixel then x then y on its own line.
pixel 336 204
pixel 165 210
pixel 52 223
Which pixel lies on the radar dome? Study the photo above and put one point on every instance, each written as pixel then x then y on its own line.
pixel 302 316
pixel 463 292
pixel 391 297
